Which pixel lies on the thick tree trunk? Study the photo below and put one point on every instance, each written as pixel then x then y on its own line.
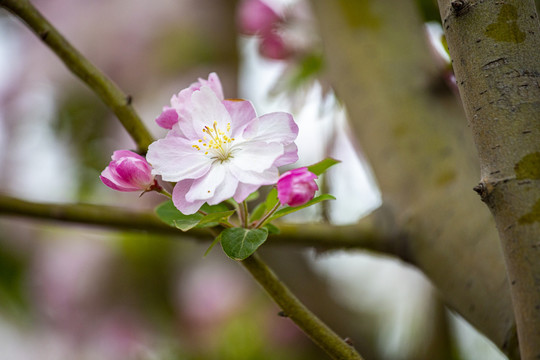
pixel 495 47
pixel 417 143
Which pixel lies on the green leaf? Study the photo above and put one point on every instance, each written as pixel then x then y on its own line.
pixel 258 212
pixel 272 229
pixel 252 196
pixel 271 199
pixel 239 243
pixel 216 240
pixel 214 208
pixel 322 166
pixel 188 222
pixel 169 214
pixel 213 219
pixel 289 209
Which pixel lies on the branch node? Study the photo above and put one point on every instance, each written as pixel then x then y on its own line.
pixel 129 99
pixel 283 314
pixel 44 34
pixel 460 7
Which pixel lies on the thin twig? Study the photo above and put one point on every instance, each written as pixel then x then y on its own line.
pixel 105 88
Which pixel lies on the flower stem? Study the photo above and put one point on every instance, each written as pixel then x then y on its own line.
pixel 263 220
pixel 104 87
pixel 318 331
pixel 164 192
pixel 245 214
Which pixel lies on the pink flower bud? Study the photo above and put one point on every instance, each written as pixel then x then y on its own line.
pixel 256 17
pixel 296 187
pixel 167 118
pixel 128 172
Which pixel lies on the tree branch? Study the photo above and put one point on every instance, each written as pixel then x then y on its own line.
pixel 104 87
pixel 321 334
pixel 495 51
pixel 366 234
pixel 416 140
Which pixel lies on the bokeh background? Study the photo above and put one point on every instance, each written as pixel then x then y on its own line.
pixel 81 292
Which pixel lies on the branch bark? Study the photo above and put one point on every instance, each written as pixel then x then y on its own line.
pixel 423 158
pixel 495 47
pixel 104 87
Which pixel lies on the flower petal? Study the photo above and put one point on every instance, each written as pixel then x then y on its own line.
pixel 207 109
pixel 179 198
pixel 267 177
pixel 256 156
pixel 274 127
pixel 175 159
pixel 290 156
pixel 205 187
pixel 242 112
pixel 244 190
pixel 225 190
pixel 119 154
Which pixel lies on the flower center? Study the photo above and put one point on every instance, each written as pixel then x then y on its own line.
pixel 216 143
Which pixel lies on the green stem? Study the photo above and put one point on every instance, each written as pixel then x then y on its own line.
pixel 245 214
pixel 318 331
pixel 104 87
pixel 263 220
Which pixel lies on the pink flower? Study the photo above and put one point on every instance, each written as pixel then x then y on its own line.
pixel 256 17
pixel 180 102
pixel 128 172
pixel 221 149
pixel 296 187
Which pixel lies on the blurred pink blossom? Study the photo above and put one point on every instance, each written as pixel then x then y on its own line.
pixel 256 17
pixel 128 172
pixel 296 187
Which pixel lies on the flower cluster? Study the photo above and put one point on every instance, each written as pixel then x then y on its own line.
pixel 219 149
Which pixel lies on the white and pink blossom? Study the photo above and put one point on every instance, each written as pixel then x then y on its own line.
pixel 221 149
pixel 296 187
pixel 128 171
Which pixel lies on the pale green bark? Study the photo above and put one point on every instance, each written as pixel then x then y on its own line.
pixel 417 143
pixel 495 47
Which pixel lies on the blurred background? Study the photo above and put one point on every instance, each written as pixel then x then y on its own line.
pixel 81 292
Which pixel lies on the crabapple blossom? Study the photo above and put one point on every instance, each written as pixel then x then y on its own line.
pixel 128 172
pixel 296 187
pixel 221 149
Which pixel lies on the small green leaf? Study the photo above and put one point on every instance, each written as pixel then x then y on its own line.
pixel 271 199
pixel 214 208
pixel 216 240
pixel 252 196
pixel 239 243
pixel 258 212
pixel 167 212
pixel 272 229
pixel 213 219
pixel 322 166
pixel 188 222
pixel 289 209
